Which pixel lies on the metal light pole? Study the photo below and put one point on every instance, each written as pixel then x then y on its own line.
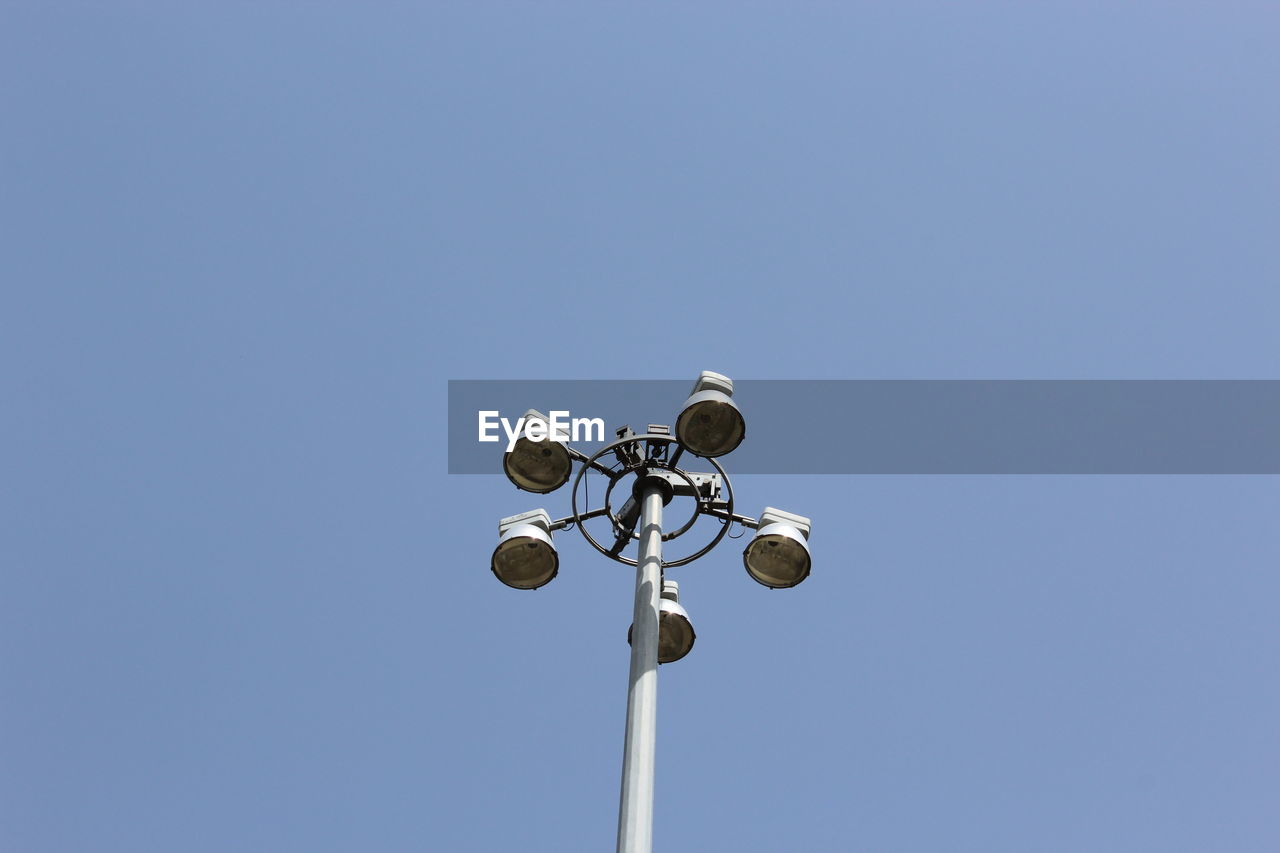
pixel 635 812
pixel 709 425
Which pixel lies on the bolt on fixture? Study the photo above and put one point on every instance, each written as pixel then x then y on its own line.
pixel 709 425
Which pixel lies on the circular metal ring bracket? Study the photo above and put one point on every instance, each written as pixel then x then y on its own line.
pixel 644 467
pixel 648 465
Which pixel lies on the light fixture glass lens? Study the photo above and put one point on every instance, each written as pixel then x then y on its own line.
pixel 777 561
pixel 525 562
pixel 711 427
pixel 675 637
pixel 538 466
pixel 675 632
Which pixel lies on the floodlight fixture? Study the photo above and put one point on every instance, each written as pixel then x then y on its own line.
pixel 710 424
pixel 778 555
pixel 538 461
pixel 675 631
pixel 525 557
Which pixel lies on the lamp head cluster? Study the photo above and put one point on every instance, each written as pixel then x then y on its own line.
pixel 709 425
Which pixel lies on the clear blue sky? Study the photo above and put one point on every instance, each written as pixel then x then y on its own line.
pixel 245 246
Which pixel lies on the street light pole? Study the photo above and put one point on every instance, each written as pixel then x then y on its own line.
pixel 709 426
pixel 635 812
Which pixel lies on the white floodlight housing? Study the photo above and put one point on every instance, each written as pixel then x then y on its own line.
pixel 710 423
pixel 541 465
pixel 525 557
pixel 675 631
pixel 778 555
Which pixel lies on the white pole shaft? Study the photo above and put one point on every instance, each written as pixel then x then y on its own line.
pixel 635 814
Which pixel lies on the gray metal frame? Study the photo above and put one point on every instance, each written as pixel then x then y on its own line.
pixel 722 510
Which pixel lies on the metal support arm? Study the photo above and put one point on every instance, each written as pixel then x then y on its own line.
pixel 590 463
pixel 717 510
pixel 562 523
